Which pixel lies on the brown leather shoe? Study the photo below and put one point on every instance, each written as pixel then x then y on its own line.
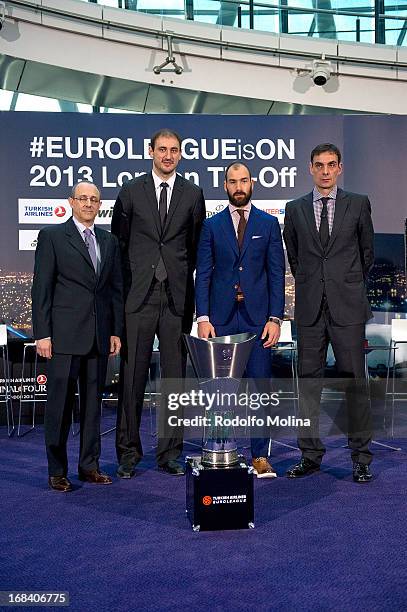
pixel 263 468
pixel 60 483
pixel 95 476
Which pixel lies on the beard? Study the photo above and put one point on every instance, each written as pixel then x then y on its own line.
pixel 242 199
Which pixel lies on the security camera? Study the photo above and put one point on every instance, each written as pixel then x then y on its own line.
pixel 2 14
pixel 321 72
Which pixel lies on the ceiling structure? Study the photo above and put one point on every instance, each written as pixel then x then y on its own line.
pixel 274 71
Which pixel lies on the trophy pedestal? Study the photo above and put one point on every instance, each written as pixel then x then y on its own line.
pixel 219 498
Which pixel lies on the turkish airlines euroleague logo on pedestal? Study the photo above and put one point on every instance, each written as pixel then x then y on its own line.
pixel 207 500
pixel 41 379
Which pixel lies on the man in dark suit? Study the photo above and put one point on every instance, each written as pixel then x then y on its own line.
pixel 77 313
pixel 157 218
pixel 329 237
pixel 240 283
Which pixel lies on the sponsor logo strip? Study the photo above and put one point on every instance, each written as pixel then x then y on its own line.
pixel 48 212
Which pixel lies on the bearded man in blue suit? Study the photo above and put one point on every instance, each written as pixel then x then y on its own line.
pixel 240 282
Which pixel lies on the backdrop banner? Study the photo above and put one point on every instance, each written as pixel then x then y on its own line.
pixel 44 154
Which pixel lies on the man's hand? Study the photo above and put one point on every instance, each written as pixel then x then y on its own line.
pixel 206 330
pixel 115 345
pixel 272 330
pixel 44 348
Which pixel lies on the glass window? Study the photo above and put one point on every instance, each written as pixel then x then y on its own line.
pixel 272 16
pixel 84 108
pixel 5 99
pixel 396 29
pixel 175 8
pixel 113 3
pixel 27 102
pixel 208 11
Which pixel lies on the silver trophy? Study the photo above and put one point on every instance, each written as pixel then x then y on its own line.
pixel 219 364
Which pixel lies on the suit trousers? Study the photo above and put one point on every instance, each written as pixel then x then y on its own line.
pixel 258 366
pixel 155 317
pixel 63 374
pixel 347 344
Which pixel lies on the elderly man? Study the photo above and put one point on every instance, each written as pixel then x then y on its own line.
pixel 77 312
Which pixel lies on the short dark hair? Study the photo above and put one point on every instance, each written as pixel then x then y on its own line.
pixel 165 132
pixel 237 164
pixel 326 147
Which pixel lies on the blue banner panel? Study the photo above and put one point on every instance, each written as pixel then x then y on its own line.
pixel 44 154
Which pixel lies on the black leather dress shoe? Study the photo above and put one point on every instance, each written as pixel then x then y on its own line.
pixel 125 471
pixel 60 483
pixel 361 473
pixel 95 476
pixel 302 468
pixel 172 467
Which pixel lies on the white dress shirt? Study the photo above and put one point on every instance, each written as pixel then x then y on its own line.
pixel 157 182
pixel 81 228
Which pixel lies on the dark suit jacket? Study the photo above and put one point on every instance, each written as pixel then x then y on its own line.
pixel 70 303
pixel 136 223
pixel 258 268
pixel 344 266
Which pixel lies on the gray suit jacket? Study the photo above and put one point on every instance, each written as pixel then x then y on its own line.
pixel 341 270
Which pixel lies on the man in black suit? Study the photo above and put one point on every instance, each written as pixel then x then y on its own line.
pixel 329 238
pixel 77 312
pixel 157 218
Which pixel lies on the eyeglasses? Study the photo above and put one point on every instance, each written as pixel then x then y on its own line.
pixel 84 199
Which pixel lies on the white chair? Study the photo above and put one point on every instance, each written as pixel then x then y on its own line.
pixel 398 338
pixel 378 337
pixel 36 397
pixel 28 347
pixel 287 343
pixel 153 397
pixel 6 396
pixel 112 398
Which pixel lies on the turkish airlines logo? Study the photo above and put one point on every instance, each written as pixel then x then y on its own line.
pixel 207 500
pixel 41 379
pixel 60 211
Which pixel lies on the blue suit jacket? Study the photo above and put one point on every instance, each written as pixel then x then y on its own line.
pixel 258 268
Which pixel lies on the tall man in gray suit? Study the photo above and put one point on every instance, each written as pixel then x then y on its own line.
pixel 157 219
pixel 329 238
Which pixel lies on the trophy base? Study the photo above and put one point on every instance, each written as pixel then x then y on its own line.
pixel 219 498
pixel 220 458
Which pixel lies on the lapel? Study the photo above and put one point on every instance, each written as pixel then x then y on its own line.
pixel 308 210
pixel 253 226
pixel 175 199
pixel 77 242
pixel 226 223
pixel 101 237
pixel 341 206
pixel 152 200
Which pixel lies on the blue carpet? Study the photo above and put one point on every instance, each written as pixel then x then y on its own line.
pixel 321 543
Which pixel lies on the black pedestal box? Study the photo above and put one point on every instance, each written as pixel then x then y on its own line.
pixel 219 498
